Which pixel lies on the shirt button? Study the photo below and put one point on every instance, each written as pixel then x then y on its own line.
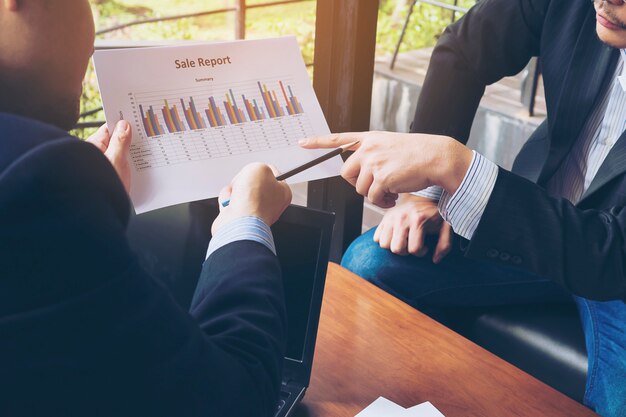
pixel 493 253
pixel 505 256
pixel 516 260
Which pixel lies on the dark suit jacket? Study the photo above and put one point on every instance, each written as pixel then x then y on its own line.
pixel 582 247
pixel 85 332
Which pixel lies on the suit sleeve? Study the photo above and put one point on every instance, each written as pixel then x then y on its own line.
pixel 242 312
pixel 99 330
pixel 496 38
pixel 583 250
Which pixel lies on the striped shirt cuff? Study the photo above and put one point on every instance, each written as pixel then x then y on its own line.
pixel 464 209
pixel 434 192
pixel 243 228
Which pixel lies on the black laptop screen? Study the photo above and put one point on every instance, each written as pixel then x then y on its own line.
pixel 297 247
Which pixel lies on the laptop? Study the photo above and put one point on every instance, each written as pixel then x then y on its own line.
pixel 302 237
pixel 171 244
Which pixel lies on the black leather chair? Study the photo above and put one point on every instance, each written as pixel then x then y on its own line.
pixel 544 340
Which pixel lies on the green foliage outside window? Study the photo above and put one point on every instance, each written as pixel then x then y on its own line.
pixel 427 22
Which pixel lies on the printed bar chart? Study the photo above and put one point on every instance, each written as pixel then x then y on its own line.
pixel 172 120
pixel 271 102
pixel 151 122
pixel 234 113
pixel 247 109
pixel 293 106
pixel 194 120
pixel 214 114
pixel 253 109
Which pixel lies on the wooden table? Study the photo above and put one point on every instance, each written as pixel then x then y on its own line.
pixel 370 344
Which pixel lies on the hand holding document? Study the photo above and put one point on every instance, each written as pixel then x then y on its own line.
pixel 201 112
pixel 382 407
pixel 308 165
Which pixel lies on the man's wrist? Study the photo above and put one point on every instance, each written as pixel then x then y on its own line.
pixel 464 209
pixel 242 228
pixel 454 160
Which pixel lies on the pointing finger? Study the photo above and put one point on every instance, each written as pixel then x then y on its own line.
pixel 331 141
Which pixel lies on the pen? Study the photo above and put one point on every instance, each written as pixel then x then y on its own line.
pixel 309 164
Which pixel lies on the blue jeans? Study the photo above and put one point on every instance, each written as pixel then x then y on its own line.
pixel 461 282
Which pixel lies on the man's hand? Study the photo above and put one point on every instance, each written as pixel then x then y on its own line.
pixel 115 147
pixel 386 164
pixel 253 192
pixel 404 227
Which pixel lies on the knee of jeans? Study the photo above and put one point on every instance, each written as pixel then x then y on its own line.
pixel 363 257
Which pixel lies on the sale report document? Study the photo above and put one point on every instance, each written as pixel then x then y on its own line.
pixel 200 112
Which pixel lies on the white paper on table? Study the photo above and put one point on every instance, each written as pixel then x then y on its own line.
pixel 382 407
pixel 424 410
pixel 180 155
